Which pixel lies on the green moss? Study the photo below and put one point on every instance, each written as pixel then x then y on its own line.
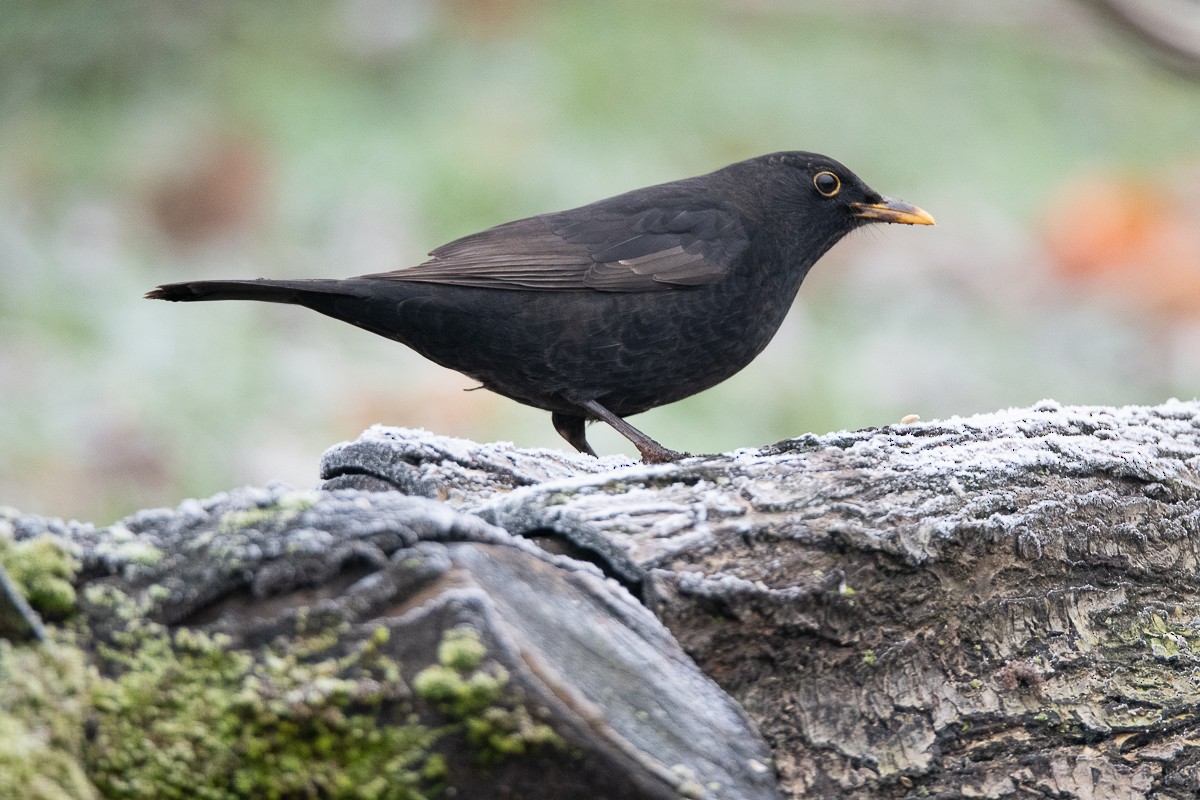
pixel 1170 635
pixel 118 604
pixel 284 509
pixel 1167 633
pixel 42 569
pixel 869 658
pixel 42 700
pixel 186 716
pixel 123 544
pixel 460 695
pixel 461 649
pixel 480 702
pixel 140 553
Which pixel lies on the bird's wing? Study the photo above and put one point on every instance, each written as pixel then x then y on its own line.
pixel 590 248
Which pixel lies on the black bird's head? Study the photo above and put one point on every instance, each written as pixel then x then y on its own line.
pixel 810 201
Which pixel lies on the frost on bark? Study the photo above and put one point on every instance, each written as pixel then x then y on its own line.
pixel 1002 606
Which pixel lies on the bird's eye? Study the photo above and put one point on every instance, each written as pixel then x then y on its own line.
pixel 827 183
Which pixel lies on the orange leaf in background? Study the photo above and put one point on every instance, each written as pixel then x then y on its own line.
pixel 1136 241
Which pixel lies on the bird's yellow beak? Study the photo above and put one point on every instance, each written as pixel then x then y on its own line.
pixel 892 210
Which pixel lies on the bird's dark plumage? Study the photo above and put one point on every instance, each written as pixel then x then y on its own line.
pixel 612 308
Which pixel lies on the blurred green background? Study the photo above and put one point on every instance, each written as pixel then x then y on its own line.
pixel 146 141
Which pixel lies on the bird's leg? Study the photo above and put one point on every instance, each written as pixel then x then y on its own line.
pixel 652 452
pixel 571 428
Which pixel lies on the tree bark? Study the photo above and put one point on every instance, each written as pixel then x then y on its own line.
pixel 1003 606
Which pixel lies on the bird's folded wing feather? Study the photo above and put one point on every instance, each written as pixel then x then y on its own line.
pixel 590 248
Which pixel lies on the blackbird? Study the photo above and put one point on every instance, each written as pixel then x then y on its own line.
pixel 611 308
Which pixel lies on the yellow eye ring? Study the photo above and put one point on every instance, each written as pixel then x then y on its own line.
pixel 827 183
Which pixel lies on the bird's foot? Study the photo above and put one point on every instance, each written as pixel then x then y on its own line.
pixel 661 455
pixel 652 452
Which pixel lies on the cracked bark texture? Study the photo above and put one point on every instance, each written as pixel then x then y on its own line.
pixel 1001 606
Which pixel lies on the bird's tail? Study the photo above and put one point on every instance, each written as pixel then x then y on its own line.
pixel 265 291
